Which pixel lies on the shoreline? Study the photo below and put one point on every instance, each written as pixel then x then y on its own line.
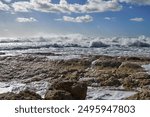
pixel 109 74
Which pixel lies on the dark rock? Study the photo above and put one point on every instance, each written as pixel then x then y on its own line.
pixel 129 65
pixel 58 95
pixel 63 85
pixel 79 91
pixel 112 82
pixel 2 53
pixel 23 95
pixel 43 54
pixel 133 59
pixel 98 44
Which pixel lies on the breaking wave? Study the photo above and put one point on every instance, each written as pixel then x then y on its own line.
pixel 78 41
pixel 77 45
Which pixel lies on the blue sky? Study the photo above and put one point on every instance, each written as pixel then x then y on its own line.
pixel 89 17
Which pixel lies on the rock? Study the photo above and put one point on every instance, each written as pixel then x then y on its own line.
pixel 140 75
pixel 144 82
pixel 129 83
pixel 98 44
pixel 23 95
pixel 111 82
pixel 2 53
pixel 129 65
pixel 63 85
pixel 106 63
pixel 133 58
pixel 78 90
pixel 129 68
pixel 43 54
pixel 58 95
pixel 88 80
pixel 144 95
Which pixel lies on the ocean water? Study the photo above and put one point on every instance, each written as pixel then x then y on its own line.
pixel 76 44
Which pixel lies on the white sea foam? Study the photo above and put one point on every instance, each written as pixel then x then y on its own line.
pixel 147 68
pixel 77 44
pixel 107 94
pixel 16 86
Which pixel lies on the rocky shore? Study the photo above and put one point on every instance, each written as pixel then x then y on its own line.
pixel 34 76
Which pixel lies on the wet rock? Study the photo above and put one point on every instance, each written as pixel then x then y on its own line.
pixel 133 59
pixel 23 95
pixel 98 44
pixel 106 63
pixel 129 83
pixel 129 65
pixel 144 95
pixel 2 53
pixel 88 80
pixel 78 90
pixel 144 82
pixel 129 68
pixel 140 75
pixel 63 85
pixel 58 95
pixel 43 54
pixel 111 82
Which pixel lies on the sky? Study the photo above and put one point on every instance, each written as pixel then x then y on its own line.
pixel 89 17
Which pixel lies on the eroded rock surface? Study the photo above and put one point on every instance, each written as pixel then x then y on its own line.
pixel 70 78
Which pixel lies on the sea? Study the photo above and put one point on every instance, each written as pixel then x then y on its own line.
pixel 75 45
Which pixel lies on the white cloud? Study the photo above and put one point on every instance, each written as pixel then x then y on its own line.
pixel 139 2
pixel 24 20
pixel 137 19
pixel 8 1
pixel 80 19
pixel 109 18
pixel 64 7
pixel 22 6
pixel 4 7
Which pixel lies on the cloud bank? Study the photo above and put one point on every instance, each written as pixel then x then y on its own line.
pixel 91 6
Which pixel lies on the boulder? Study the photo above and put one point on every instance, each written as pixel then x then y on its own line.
pixel 78 90
pixel 23 95
pixel 63 85
pixel 58 95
